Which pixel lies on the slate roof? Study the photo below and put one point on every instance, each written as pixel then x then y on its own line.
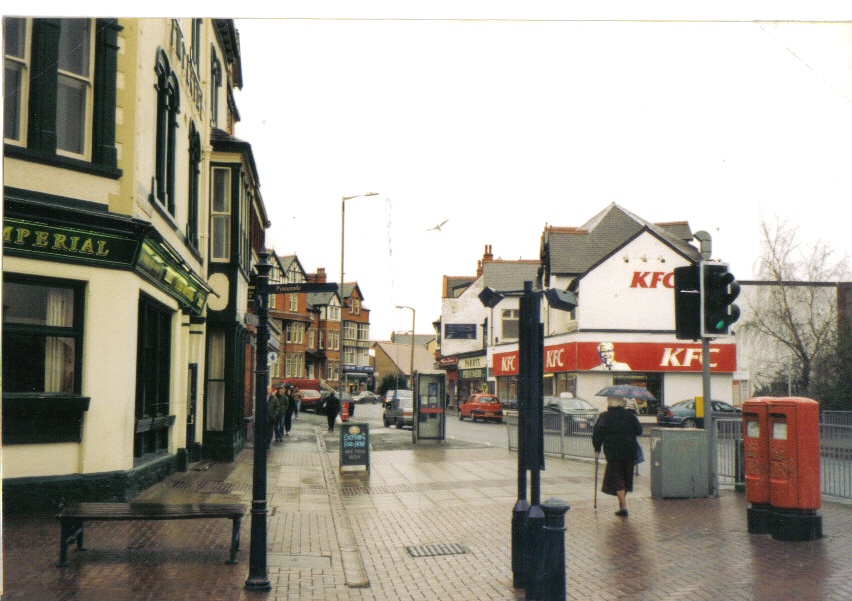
pixel 454 285
pixel 400 355
pixel 319 299
pixel 573 251
pixel 509 275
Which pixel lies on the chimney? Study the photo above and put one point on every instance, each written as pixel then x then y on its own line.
pixel 487 257
pixel 319 277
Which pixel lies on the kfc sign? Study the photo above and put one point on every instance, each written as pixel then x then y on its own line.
pixel 652 279
pixel 623 357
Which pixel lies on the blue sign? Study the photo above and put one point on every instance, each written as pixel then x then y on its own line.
pixel 460 331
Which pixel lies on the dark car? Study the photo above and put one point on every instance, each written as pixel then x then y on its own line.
pixel 580 414
pixel 399 412
pixel 365 396
pixel 682 413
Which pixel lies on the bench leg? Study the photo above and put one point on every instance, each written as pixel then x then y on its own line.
pixel 235 539
pixel 69 531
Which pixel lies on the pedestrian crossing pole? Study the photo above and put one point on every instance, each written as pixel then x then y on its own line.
pixel 258 579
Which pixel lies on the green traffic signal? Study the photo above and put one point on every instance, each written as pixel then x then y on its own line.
pixel 719 289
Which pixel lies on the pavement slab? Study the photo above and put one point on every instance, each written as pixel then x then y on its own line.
pixel 372 535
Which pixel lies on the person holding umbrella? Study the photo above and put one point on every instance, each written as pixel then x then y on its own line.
pixel 615 432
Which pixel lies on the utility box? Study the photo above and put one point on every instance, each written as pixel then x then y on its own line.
pixel 756 463
pixel 678 463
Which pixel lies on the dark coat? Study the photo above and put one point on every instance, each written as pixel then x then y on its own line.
pixel 616 431
pixel 332 405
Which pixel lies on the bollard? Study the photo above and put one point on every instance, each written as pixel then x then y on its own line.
pixel 549 571
pixel 520 563
pixel 535 548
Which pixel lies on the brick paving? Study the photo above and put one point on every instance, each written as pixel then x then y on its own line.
pixel 345 535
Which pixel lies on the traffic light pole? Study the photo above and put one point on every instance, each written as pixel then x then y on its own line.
pixel 709 424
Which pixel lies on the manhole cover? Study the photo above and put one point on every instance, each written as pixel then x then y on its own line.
pixel 433 550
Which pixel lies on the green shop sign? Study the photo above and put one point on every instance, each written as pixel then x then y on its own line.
pixel 40 240
pixel 158 264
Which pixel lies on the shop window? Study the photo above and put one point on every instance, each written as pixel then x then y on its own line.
pixel 42 360
pixel 153 378
pixel 42 336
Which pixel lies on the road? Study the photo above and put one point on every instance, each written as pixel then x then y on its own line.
pixel 482 432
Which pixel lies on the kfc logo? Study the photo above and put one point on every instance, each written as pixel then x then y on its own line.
pixel 507 364
pixel 553 358
pixel 652 279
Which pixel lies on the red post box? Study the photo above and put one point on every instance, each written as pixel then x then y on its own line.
pixel 794 468
pixel 756 463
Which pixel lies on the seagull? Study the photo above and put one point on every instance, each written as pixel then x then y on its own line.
pixel 438 227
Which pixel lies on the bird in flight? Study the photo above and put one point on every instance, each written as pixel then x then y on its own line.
pixel 438 227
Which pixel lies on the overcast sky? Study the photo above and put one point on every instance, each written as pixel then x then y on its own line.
pixel 504 116
pixel 503 126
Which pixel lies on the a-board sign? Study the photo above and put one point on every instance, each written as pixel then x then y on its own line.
pixel 355 444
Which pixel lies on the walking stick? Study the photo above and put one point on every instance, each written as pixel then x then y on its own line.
pixel 597 454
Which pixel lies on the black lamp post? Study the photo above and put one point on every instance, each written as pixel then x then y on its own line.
pixel 258 579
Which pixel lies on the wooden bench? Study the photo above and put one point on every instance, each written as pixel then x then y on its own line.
pixel 72 517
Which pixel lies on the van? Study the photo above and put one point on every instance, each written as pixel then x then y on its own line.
pixel 397 393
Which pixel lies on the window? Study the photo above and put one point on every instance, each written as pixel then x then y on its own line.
pixel 195 44
pixel 74 86
pixel 294 302
pixel 42 335
pixel 363 331
pixel 350 330
pixel 153 378
pixel 349 355
pixel 15 79
pixel 194 187
pixel 295 332
pixel 511 320
pixel 215 84
pixel 168 106
pixel 220 235
pixel 59 90
pixel 312 339
pixel 354 306
pixel 215 381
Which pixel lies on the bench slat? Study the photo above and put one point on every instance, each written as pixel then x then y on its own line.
pixel 150 511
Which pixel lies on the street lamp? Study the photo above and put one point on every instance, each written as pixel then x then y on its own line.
pixel 342 303
pixel 411 360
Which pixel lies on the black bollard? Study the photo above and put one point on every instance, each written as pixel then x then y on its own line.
pixel 548 582
pixel 535 548
pixel 520 561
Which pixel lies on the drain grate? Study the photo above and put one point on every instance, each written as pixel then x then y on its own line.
pixel 434 550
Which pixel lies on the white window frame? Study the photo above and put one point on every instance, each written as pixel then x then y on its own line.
pixel 23 62
pixel 224 215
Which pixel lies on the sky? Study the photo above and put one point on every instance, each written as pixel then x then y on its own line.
pixel 503 126
pixel 501 117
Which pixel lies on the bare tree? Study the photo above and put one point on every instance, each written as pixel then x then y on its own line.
pixel 794 314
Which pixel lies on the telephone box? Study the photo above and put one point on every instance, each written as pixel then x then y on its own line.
pixel 756 463
pixel 794 468
pixel 430 406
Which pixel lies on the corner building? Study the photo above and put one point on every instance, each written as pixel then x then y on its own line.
pixel 112 220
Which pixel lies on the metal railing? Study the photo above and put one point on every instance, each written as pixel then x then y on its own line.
pixel 570 436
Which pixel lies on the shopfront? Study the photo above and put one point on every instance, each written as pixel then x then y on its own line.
pixel 671 371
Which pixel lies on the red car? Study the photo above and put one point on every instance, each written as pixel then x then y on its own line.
pixel 482 406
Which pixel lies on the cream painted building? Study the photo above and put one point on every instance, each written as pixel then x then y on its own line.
pixel 111 223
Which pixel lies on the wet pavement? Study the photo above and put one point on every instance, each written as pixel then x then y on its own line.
pixel 368 535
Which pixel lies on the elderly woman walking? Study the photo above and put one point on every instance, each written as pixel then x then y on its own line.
pixel 616 431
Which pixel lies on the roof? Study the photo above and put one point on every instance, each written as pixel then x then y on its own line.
pixel 454 285
pixel 400 355
pixel 572 251
pixel 319 299
pixel 509 275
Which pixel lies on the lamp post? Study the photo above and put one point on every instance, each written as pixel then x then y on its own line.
pixel 340 292
pixel 411 360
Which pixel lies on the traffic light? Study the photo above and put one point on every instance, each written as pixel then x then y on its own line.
pixel 719 289
pixel 687 288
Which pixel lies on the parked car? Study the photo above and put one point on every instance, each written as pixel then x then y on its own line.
pixel 397 393
pixel 682 413
pixel 581 414
pixel 399 412
pixel 365 396
pixel 482 406
pixel 312 401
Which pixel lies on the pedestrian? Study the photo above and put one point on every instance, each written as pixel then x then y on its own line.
pixel 297 396
pixel 332 406
pixel 615 431
pixel 273 414
pixel 289 408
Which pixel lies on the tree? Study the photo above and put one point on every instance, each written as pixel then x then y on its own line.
pixel 792 315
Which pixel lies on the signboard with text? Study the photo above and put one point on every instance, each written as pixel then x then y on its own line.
pixel 355 444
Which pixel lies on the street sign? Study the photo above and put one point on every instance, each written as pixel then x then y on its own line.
pixel 304 287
